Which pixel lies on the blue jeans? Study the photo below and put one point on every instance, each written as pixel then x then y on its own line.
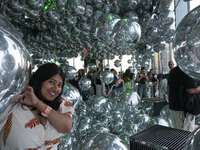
pixel 119 90
pixel 142 91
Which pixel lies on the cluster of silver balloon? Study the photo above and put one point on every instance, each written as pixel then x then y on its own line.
pixel 92 28
pixel 101 123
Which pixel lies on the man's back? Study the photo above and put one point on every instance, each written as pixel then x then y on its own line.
pixel 177 78
pixel 174 82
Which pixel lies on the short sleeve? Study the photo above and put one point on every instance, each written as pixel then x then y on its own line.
pixel 66 106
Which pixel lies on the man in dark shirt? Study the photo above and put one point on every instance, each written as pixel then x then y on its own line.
pixel 177 78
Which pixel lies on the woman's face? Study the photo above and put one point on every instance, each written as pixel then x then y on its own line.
pixel 52 87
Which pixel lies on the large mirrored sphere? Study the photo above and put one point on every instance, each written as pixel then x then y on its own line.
pixel 187 44
pixel 15 65
pixel 84 84
pixel 71 93
pixel 117 63
pixel 107 77
pixel 105 141
pixel 105 29
pixel 70 72
pixel 126 33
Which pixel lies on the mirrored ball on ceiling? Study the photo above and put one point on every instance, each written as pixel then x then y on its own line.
pixel 126 33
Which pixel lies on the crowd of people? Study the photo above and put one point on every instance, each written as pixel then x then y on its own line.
pixel 122 81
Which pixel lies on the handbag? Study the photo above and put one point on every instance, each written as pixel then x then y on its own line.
pixel 189 102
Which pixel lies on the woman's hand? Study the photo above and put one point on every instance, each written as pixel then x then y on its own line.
pixel 29 98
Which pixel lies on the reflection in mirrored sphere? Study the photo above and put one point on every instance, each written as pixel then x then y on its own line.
pixel 105 141
pixel 187 44
pixel 15 65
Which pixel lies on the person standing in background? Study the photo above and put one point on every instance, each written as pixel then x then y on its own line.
pixel 171 66
pixel 94 77
pixel 177 78
pixel 126 78
pixel 150 75
pixel 141 79
pixel 120 87
pixel 99 88
pixel 113 91
pixel 81 74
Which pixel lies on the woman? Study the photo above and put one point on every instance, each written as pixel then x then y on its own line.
pixel 141 79
pixel 126 78
pixel 81 74
pixel 37 121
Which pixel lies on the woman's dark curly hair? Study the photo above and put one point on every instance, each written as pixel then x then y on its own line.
pixel 42 74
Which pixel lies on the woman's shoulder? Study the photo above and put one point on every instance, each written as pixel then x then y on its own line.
pixel 66 106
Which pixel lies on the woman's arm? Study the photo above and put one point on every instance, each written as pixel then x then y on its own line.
pixel 61 122
pixel 137 78
pixel 147 78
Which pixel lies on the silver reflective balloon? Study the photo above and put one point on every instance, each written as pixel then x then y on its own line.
pixel 130 4
pixel 105 141
pixel 84 84
pixel 125 137
pixel 131 98
pixel 192 142
pixel 105 27
pixel 98 104
pixel 107 77
pixel 117 63
pixel 116 123
pixel 70 72
pixel 187 44
pixel 129 61
pixel 91 66
pixel 83 124
pixel 68 141
pixel 15 66
pixel 126 33
pixel 78 6
pixel 71 93
pixel 158 120
pixel 86 138
pixel 131 14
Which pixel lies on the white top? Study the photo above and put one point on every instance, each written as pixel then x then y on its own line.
pixel 22 131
